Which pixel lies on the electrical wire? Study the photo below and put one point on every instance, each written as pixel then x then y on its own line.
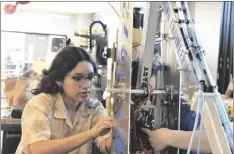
pixel 113 8
pixel 143 148
pixel 101 136
pixel 200 101
pixel 166 117
pixel 108 127
pixel 136 45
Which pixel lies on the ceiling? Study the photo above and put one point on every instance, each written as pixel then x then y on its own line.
pixel 64 7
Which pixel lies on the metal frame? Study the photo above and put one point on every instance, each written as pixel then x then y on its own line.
pixel 184 38
pixel 151 16
pixel 193 68
pixel 191 56
pixel 152 24
pixel 121 106
pixel 213 127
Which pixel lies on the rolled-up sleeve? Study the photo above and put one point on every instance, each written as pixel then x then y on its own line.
pixel 35 123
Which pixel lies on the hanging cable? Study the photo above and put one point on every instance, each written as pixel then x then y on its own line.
pixel 108 127
pixel 113 8
pixel 198 112
pixel 202 84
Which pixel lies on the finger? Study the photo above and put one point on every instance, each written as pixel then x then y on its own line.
pixel 107 121
pixel 108 118
pixel 110 124
pixel 105 124
pixel 147 131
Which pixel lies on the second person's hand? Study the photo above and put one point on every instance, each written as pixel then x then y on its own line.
pixel 158 138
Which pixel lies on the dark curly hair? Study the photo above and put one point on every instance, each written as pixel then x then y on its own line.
pixel 63 63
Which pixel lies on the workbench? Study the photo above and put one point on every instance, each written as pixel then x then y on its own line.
pixel 11 134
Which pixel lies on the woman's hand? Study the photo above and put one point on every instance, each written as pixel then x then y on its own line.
pixel 158 138
pixel 103 126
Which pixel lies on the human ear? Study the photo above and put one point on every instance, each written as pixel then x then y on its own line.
pixel 59 83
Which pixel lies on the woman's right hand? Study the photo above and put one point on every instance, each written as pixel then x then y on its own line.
pixel 103 126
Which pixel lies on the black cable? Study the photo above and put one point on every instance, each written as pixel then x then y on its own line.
pixel 168 112
pixel 113 8
pixel 136 45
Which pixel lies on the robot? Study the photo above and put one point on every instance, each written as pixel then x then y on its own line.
pixel 185 71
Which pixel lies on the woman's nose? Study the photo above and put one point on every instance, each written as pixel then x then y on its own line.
pixel 85 84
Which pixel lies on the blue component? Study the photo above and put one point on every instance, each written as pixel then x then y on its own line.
pixel 125 30
pixel 123 55
pixel 118 142
pixel 122 75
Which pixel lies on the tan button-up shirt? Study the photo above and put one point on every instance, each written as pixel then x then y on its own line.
pixel 45 118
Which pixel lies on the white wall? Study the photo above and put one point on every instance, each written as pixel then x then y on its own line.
pixel 45 22
pixel 80 21
pixel 110 18
pixel 207 23
pixel 37 22
pixel 84 20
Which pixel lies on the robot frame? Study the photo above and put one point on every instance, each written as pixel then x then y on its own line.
pixel 184 71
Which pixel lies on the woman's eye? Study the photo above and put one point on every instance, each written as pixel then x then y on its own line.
pixel 90 77
pixel 78 78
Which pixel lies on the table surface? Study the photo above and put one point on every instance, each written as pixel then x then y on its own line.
pixel 10 121
pixel 11 124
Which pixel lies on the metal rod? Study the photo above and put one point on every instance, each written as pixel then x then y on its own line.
pixel 135 91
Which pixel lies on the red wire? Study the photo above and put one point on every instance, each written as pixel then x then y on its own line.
pixel 146 151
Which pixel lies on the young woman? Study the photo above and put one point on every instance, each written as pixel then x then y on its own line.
pixel 61 117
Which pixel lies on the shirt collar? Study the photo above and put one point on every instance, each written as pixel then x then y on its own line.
pixel 61 111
